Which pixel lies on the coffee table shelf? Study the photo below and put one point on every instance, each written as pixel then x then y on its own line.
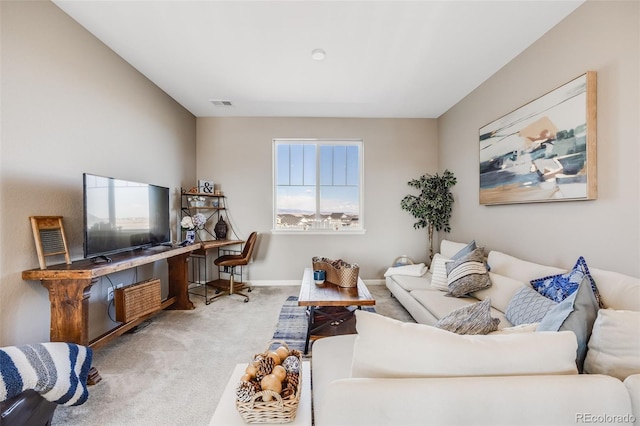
pixel 331 307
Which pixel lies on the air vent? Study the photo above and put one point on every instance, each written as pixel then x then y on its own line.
pixel 221 103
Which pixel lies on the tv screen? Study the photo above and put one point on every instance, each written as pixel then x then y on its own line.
pixel 121 215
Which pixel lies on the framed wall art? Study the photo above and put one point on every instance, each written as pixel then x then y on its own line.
pixel 544 150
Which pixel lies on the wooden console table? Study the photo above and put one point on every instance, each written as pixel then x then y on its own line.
pixel 70 287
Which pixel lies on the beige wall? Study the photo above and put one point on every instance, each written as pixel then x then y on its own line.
pixel 237 152
pixel 599 36
pixel 70 105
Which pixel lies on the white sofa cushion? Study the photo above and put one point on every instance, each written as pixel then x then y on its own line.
pixel 614 347
pixel 618 291
pixel 501 291
pixel 409 283
pixel 386 347
pixel 490 401
pixel 449 248
pixel 521 270
pixel 632 383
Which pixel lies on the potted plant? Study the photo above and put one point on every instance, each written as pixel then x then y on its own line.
pixel 433 206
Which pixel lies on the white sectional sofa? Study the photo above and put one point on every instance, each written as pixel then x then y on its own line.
pixel 395 373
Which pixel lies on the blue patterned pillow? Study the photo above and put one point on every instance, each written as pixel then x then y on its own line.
pixel 559 287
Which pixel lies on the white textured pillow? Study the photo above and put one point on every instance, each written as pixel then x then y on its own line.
pixel 614 346
pixel 386 347
pixel 439 272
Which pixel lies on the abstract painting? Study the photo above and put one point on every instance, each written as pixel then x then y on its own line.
pixel 544 150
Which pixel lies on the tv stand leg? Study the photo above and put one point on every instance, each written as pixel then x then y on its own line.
pixel 69 300
pixel 179 283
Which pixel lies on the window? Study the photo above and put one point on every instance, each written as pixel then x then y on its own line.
pixel 318 185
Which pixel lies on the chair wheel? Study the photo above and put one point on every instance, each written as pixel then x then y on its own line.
pixel 249 290
pixel 246 299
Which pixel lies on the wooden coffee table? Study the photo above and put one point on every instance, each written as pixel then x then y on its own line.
pixel 330 308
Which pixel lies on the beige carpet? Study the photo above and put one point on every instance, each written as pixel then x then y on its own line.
pixel 173 371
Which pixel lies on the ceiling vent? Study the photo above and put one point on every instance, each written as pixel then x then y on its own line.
pixel 221 103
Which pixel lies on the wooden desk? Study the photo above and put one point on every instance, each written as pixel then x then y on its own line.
pixel 70 287
pixel 216 244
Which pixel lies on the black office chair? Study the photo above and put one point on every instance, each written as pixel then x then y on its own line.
pixel 233 260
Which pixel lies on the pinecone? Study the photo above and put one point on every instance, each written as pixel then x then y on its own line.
pixel 256 386
pixel 245 391
pixel 296 353
pixel 264 366
pixel 291 380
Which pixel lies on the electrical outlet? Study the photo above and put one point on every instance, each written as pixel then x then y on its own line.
pixel 110 291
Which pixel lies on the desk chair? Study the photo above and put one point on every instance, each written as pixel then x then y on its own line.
pixel 233 260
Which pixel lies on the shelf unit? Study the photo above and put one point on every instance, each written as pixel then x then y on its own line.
pixel 211 206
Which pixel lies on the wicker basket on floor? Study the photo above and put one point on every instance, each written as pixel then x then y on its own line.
pixel 345 275
pixel 279 409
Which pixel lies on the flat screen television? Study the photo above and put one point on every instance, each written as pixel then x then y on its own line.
pixel 121 215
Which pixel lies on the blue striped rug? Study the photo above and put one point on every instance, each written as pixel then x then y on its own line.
pixel 292 324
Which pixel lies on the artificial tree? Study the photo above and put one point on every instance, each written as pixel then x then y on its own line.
pixel 433 206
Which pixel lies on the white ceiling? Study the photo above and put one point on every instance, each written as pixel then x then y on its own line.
pixel 384 58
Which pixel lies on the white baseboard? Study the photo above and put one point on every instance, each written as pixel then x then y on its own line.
pixel 284 283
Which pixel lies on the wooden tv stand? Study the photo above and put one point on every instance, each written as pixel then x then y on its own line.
pixel 70 285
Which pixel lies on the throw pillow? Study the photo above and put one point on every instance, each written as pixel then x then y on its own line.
pixel 472 319
pixel 439 272
pixel 465 250
pixel 559 287
pixel 385 347
pixel 467 274
pixel 614 346
pixel 528 306
pixel 58 371
pixel 576 313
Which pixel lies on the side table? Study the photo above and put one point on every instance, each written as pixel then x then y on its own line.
pixel 227 415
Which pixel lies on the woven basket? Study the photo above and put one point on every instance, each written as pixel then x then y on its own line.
pixel 344 276
pixel 278 410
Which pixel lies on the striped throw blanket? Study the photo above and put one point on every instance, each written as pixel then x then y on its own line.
pixel 58 371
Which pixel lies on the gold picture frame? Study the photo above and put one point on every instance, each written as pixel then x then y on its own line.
pixel 543 151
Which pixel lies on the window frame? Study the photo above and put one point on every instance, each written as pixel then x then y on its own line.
pixel 318 141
